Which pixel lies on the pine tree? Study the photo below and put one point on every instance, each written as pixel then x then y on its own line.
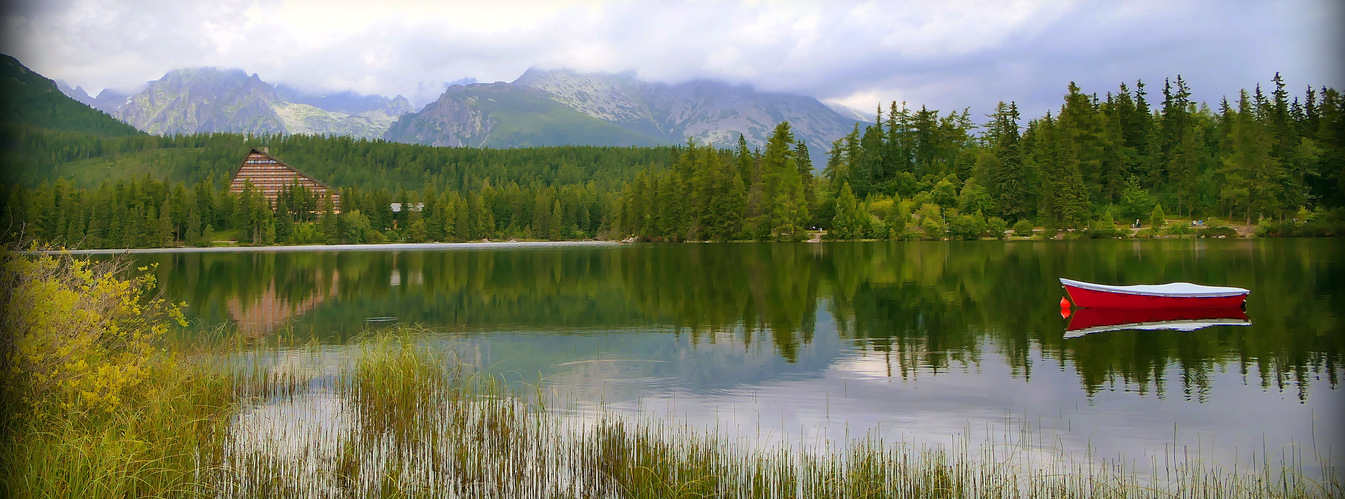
pixel 415 225
pixel 1074 207
pixel 805 166
pixel 462 221
pixel 1080 124
pixel 269 232
pixel 327 222
pixel 1157 218
pixel 284 219
pixel 897 217
pixel 97 228
pixel 845 225
pixel 728 205
pixel 1140 136
pixel 1011 177
pixel 193 236
pixel 74 236
pixel 746 163
pixel 558 227
pixel 1252 177
pixel 166 236
pixel 1176 124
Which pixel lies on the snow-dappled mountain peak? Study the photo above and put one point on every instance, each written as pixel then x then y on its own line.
pixel 196 100
pixel 708 112
pixel 608 97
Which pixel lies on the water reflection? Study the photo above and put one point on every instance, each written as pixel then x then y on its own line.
pixel 1103 320
pixel 923 309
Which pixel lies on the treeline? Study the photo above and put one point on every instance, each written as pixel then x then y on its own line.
pixel 1095 161
pixel 145 213
pixel 35 156
pixel 182 197
pixel 912 174
pixel 717 195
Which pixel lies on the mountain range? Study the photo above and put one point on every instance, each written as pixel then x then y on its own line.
pixel 540 108
pixel 203 100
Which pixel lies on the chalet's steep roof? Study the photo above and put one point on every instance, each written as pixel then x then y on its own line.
pixel 259 157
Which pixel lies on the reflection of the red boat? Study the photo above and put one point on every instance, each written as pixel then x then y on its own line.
pixel 1098 320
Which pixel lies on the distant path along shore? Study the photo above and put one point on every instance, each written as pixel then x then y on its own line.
pixel 337 247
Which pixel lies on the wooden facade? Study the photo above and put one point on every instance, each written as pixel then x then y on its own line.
pixel 270 176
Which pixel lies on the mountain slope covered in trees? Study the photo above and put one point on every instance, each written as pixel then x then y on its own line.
pixel 1267 158
pixel 503 115
pixel 28 99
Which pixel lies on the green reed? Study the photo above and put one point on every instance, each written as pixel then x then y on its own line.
pixel 406 420
pixel 400 418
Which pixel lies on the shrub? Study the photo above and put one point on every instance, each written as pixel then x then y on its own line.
pixel 964 227
pixel 1220 231
pixel 94 406
pixel 1104 230
pixel 79 337
pixel 931 221
pixel 1178 230
pixel 1134 200
pixel 995 227
pixel 1022 228
pixel 1156 218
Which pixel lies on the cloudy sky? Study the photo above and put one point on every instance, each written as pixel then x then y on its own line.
pixel 946 55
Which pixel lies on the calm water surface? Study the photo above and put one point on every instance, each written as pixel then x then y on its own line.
pixel 808 343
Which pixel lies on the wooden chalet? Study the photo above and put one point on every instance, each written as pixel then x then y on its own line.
pixel 270 176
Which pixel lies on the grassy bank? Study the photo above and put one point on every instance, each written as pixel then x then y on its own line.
pixel 105 406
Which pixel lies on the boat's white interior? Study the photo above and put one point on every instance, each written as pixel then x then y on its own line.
pixel 1174 289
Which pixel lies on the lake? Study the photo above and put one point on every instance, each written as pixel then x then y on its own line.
pixel 814 344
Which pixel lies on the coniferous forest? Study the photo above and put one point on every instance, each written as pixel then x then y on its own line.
pixel 1269 160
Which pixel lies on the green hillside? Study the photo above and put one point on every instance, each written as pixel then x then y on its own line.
pixel 529 119
pixel 34 156
pixel 29 99
pixel 506 116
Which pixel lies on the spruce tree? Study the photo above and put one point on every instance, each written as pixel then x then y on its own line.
pixel 193 236
pixel 284 223
pixel 1011 177
pixel 746 163
pixel 166 236
pixel 845 224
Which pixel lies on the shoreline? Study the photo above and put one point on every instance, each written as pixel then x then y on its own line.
pixel 332 247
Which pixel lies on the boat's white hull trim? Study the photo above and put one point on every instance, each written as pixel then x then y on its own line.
pixel 1170 290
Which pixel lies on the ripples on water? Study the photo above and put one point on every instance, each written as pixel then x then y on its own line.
pixel 802 345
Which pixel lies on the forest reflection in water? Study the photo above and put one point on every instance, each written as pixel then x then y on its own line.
pixel 925 307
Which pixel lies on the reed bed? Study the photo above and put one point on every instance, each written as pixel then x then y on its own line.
pixel 402 419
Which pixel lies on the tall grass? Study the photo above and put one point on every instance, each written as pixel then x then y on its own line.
pixel 161 443
pixel 402 419
pixel 129 414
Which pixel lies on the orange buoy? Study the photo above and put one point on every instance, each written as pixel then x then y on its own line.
pixel 1064 313
pixel 1064 302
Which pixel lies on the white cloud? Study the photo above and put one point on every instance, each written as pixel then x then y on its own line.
pixel 946 55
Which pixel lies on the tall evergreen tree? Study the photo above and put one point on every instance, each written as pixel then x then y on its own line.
pixel 1014 200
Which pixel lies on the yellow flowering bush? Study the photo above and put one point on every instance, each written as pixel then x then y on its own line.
pixel 78 335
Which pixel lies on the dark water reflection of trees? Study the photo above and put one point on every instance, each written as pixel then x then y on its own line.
pixel 931 306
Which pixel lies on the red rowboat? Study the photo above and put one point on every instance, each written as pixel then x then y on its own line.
pixel 1098 320
pixel 1171 295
